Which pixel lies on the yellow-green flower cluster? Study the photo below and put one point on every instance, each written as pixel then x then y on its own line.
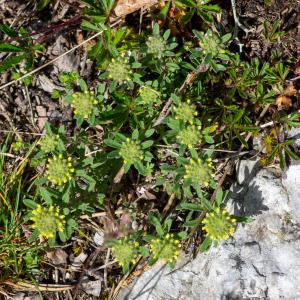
pixel 49 142
pixel 131 152
pixel 125 251
pixel 186 112
pixel 211 44
pixel 148 96
pixel 119 69
pixel 48 221
pixel 199 171
pixel 219 225
pixel 60 170
pixel 156 46
pixel 83 103
pixel 166 249
pixel 189 136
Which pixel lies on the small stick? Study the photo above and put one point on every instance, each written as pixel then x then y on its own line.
pixel 187 82
pixel 56 58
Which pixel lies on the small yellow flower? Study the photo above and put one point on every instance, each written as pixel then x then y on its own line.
pixel 211 44
pixel 131 152
pixel 269 141
pixel 48 221
pixel 60 170
pixel 166 249
pixel 186 112
pixel 119 69
pixel 189 136
pixel 83 104
pixel 49 142
pixel 148 96
pixel 219 225
pixel 199 172
pixel 156 46
pixel 125 251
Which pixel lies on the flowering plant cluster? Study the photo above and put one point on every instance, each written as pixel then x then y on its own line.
pixel 47 221
pixel 219 225
pixel 165 249
pixel 125 252
pixel 83 103
pixel 114 154
pixel 59 169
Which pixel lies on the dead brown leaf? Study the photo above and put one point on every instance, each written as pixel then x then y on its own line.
pixel 290 91
pixel 42 116
pixel 57 257
pixel 125 7
pixel 283 101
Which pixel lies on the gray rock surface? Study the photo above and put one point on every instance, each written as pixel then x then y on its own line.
pixel 261 261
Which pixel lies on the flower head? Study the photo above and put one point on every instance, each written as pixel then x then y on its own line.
pixel 185 111
pixel 131 152
pixel 211 44
pixel 49 142
pixel 219 225
pixel 166 249
pixel 125 251
pixel 199 171
pixel 148 96
pixel 48 221
pixel 119 69
pixel 83 103
pixel 189 136
pixel 59 169
pixel 156 46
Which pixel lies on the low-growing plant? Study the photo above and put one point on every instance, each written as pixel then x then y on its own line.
pixel 113 154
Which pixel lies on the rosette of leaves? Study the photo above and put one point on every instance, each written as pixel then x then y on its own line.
pixel 212 49
pixel 164 246
pixel 165 249
pixel 119 69
pixel 125 252
pixel 160 46
pixel 219 224
pixel 185 111
pixel 85 104
pixel 199 171
pixel 47 221
pixel 185 173
pixel 49 142
pixel 131 150
pixel 60 170
pixel 149 96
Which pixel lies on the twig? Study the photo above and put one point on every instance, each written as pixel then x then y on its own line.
pixel 187 82
pixel 236 19
pixel 55 59
pixel 99 214
pixel 24 286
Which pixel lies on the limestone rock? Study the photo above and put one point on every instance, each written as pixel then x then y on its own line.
pixel 261 261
